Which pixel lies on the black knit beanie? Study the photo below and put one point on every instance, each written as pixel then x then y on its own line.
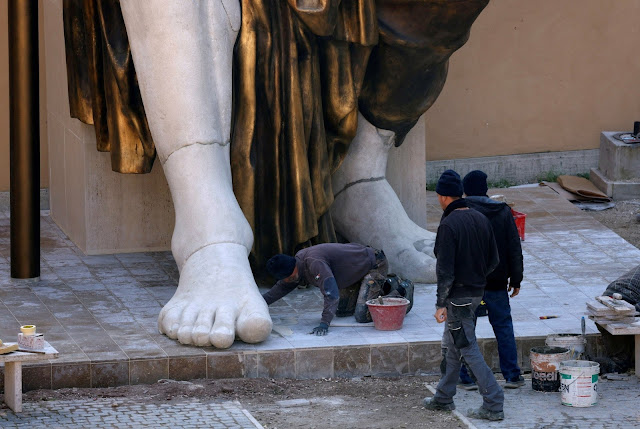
pixel 449 184
pixel 475 183
pixel 281 266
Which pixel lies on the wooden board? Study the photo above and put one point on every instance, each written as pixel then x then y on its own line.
pixel 598 308
pixel 17 356
pixel 8 347
pixel 621 329
pixel 616 320
pixel 618 305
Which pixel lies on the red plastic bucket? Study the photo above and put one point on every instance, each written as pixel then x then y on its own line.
pixel 520 219
pixel 389 315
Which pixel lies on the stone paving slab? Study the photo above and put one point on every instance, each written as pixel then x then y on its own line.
pixel 525 408
pixel 100 312
pixel 101 413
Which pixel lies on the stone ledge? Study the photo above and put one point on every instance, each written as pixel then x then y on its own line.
pixel 522 168
pixel 618 161
pixel 312 363
pixel 618 190
pixel 5 200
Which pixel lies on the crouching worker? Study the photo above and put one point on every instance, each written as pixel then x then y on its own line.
pixel 343 273
pixel 466 253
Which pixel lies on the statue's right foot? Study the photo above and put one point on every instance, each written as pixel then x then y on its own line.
pixel 217 299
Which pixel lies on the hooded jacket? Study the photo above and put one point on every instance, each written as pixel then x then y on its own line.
pixel 466 253
pixel 507 240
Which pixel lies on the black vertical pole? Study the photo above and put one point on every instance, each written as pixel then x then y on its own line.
pixel 24 138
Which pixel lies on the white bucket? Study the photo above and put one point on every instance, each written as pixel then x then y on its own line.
pixel 573 342
pixel 579 383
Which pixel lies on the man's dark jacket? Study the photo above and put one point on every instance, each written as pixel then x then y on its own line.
pixel 466 253
pixel 507 240
pixel 330 267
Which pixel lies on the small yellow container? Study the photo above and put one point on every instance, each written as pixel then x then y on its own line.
pixel 28 329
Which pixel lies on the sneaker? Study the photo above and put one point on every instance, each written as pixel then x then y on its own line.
pixel 483 413
pixel 514 384
pixel 467 386
pixel 433 405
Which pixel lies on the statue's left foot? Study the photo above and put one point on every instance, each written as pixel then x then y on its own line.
pixel 370 213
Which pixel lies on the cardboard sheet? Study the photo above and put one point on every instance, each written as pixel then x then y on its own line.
pixel 583 187
pixel 577 189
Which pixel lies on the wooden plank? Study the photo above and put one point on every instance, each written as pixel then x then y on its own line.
pixel 597 306
pixel 17 356
pixel 615 329
pixel 618 305
pixel 619 321
pixel 8 347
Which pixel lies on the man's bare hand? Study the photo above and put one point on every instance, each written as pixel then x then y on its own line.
pixel 516 291
pixel 441 314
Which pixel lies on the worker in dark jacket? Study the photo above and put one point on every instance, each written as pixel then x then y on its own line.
pixel 504 279
pixel 466 253
pixel 330 267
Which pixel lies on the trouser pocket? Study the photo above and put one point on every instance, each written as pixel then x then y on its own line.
pixel 459 309
pixel 459 336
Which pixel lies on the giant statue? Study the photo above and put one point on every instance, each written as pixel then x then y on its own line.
pixel 272 120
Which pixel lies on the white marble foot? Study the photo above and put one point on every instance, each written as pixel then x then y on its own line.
pixel 367 210
pixel 217 299
pixel 183 51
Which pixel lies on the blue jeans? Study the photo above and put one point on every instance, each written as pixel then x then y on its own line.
pixel 499 312
pixel 459 344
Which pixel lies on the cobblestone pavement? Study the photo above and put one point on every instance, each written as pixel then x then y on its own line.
pixel 107 413
pixel 524 408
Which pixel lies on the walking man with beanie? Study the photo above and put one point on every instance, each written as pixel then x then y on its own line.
pixel 466 253
pixel 504 279
pixel 332 267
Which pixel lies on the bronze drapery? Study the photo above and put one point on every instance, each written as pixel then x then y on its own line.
pixel 302 70
pixel 297 77
pixel 103 88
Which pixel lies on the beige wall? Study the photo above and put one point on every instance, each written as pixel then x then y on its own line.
pixel 535 76
pixel 4 102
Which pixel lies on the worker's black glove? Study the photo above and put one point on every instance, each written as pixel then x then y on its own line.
pixel 321 329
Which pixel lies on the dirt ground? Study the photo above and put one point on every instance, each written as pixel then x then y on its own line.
pixel 622 219
pixel 368 402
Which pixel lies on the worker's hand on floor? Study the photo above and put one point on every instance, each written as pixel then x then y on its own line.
pixel 320 330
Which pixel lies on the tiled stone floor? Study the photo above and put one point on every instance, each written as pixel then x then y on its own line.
pixel 100 311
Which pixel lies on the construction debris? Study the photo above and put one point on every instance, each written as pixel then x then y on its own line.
pixel 606 310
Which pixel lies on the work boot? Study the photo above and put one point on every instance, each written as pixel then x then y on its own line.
pixel 483 413
pixel 514 384
pixel 433 405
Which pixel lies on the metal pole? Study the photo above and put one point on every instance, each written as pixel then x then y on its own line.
pixel 25 138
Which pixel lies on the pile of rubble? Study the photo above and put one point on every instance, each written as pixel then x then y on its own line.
pixel 612 311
